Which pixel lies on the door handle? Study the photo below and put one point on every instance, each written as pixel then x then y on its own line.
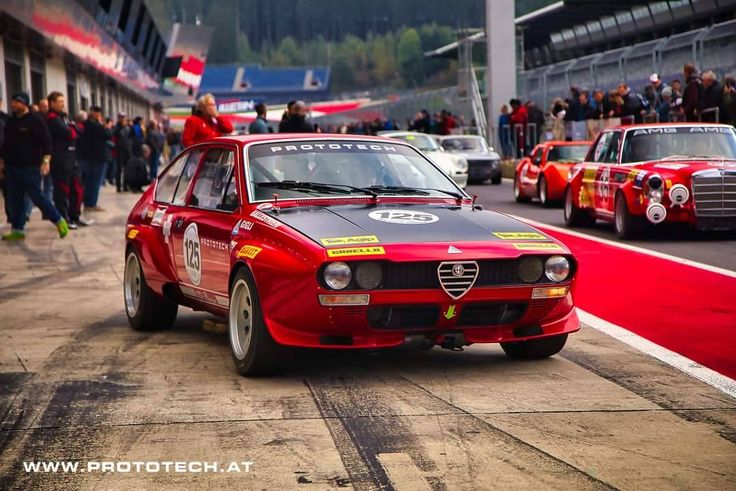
pixel 178 223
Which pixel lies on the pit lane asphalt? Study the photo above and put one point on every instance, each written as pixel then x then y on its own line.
pixel 713 248
pixel 77 384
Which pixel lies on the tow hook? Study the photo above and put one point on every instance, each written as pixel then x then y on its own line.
pixel 453 341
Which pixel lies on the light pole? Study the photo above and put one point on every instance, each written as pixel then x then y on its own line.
pixel 500 58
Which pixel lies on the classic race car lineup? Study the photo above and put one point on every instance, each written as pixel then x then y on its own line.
pixel 544 173
pixel 642 175
pixel 483 162
pixel 339 242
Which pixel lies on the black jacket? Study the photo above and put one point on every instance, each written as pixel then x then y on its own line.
pixel 123 141
pixel 691 97
pixel 64 138
pixel 296 124
pixel 709 98
pixel 26 139
pixel 95 142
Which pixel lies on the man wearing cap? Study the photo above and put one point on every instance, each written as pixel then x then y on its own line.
pixel 26 157
pixel 658 86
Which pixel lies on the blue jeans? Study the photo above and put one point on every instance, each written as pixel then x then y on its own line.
pixel 47 186
pixel 94 175
pixel 22 180
pixel 153 165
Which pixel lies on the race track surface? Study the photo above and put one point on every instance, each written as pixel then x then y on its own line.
pixel 76 383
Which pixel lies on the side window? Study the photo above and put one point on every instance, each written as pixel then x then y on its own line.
pixel 537 155
pixel 167 182
pixel 611 156
pixel 186 176
pixel 601 147
pixel 213 179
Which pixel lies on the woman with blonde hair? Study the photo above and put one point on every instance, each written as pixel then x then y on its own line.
pixel 205 122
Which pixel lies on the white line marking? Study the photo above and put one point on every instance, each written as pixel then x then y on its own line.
pixel 641 250
pixel 721 382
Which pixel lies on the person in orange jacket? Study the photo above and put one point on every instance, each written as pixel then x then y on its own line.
pixel 204 122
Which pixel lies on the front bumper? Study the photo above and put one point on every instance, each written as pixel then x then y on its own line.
pixel 484 315
pixel 460 179
pixel 481 170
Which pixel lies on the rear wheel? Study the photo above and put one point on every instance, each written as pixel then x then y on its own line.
pixel 574 216
pixel 146 310
pixel 626 225
pixel 535 349
pixel 520 198
pixel 254 350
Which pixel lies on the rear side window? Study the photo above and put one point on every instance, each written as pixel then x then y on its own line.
pixel 213 179
pixel 168 181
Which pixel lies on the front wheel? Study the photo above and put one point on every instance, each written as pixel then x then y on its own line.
pixel 625 224
pixel 534 349
pixel 520 198
pixel 574 216
pixel 254 350
pixel 146 310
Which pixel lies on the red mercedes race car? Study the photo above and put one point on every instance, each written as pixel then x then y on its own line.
pixel 644 175
pixel 339 242
pixel 543 174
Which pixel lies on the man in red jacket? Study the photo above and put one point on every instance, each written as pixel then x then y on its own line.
pixel 205 123
pixel 519 119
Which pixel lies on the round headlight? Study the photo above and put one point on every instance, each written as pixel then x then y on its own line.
pixel 655 196
pixel 679 194
pixel 557 268
pixel 530 269
pixel 338 276
pixel 462 165
pixel 368 275
pixel 655 182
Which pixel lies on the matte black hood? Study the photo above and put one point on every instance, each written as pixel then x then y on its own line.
pixel 422 223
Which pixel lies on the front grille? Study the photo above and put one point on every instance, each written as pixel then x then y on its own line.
pixel 491 313
pixel 423 275
pixel 456 277
pixel 714 193
pixel 403 316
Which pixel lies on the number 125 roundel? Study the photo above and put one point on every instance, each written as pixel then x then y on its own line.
pixel 339 242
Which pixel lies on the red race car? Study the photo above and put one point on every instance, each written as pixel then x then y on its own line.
pixel 643 175
pixel 543 174
pixel 339 242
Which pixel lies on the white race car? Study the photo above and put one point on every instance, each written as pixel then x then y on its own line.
pixel 455 166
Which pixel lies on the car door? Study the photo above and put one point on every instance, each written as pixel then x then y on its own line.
pixel 606 175
pixel 530 172
pixel 206 229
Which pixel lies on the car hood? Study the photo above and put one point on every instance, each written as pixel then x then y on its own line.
pixel 451 224
pixel 446 161
pixel 478 155
pixel 685 166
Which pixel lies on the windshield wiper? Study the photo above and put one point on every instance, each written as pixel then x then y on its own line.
pixel 407 190
pixel 309 186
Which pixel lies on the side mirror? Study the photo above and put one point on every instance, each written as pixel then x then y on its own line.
pixel 537 161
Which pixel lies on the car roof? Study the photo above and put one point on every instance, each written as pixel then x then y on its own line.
pixel 280 137
pixel 565 143
pixel 443 137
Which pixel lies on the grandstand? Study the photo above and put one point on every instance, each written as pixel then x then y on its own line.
pixel 270 85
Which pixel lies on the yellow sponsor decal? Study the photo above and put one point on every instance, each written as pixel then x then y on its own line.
pixel 589 174
pixel 520 236
pixel 358 239
pixel 248 252
pixel 538 247
pixel 632 175
pixel 133 233
pixel 356 251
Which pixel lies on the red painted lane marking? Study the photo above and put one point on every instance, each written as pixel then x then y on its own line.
pixel 685 309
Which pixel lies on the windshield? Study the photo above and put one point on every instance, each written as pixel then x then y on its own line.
pixel 464 144
pixel 339 168
pixel 645 144
pixel 567 153
pixel 422 142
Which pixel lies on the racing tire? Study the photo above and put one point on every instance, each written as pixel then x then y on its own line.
pixel 520 198
pixel 253 349
pixel 146 310
pixel 574 216
pixel 543 192
pixel 625 224
pixel 535 349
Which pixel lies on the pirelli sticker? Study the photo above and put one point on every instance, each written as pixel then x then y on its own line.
pixel 356 251
pixel 537 247
pixel 520 236
pixel 358 239
pixel 248 252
